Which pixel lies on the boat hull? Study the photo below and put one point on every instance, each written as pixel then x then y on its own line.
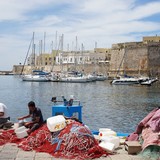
pixel 124 82
pixel 34 78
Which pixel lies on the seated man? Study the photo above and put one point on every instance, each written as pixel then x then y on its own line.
pixel 3 114
pixel 36 116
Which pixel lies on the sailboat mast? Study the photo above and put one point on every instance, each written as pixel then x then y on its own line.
pixel 122 59
pixel 33 52
pixel 41 52
pixel 61 57
pixel 75 63
pixel 56 41
pixel 52 62
pixel 82 57
pixel 30 45
pixel 44 42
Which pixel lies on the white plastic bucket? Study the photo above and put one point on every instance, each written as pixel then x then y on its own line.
pixel 56 123
pixel 20 129
pixel 112 139
pixel 107 146
pixel 21 132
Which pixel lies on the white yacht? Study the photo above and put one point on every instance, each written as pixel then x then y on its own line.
pixel 36 76
pixel 125 81
pixel 82 79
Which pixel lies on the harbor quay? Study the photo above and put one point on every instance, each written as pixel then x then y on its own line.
pixel 11 151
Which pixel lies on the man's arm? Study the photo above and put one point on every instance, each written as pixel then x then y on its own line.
pixel 27 124
pixel 27 116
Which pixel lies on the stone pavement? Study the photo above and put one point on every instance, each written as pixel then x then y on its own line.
pixel 10 151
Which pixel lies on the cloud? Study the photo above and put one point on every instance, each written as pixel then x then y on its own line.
pixel 104 21
pixel 17 9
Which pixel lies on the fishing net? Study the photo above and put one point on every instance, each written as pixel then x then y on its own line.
pixel 75 141
pixel 8 136
pixel 151 152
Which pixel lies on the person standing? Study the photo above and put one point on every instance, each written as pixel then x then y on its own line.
pixel 36 117
pixel 3 113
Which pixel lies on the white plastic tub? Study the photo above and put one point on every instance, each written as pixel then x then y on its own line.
pixel 112 139
pixel 19 129
pixel 107 146
pixel 56 123
pixel 21 132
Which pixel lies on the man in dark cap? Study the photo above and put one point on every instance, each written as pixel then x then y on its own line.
pixel 36 117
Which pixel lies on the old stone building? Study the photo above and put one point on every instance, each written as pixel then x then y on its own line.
pixel 135 58
pixel 148 39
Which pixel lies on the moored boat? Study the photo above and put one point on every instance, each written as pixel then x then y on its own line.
pixel 149 81
pixel 101 77
pixel 36 76
pixel 82 79
pixel 125 81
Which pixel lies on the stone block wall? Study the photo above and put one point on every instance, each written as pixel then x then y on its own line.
pixel 154 59
pixel 131 59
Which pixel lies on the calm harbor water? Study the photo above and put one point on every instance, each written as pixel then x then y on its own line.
pixel 104 106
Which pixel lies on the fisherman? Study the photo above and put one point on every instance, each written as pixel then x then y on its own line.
pixel 36 116
pixel 3 114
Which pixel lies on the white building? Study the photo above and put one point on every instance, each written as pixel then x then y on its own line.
pixel 73 57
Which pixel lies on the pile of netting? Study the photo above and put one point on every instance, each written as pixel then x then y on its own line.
pixel 8 137
pixel 75 141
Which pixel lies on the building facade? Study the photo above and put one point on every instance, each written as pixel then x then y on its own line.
pixel 151 39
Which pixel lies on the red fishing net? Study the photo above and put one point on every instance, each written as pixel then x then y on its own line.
pixel 75 141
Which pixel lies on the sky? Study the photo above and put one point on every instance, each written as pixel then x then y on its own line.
pixel 103 21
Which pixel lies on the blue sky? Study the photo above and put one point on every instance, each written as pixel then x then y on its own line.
pixel 104 21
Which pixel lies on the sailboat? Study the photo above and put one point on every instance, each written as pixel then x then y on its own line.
pixel 36 75
pixel 74 76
